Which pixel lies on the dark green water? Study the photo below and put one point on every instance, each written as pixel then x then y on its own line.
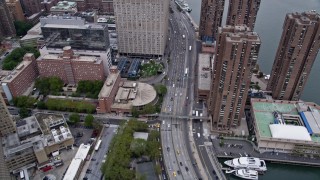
pixel 284 172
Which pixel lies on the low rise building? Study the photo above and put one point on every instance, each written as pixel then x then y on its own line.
pixel 64 7
pixel 71 67
pixel 36 138
pixel 286 126
pixel 21 78
pixel 109 91
pixel 205 62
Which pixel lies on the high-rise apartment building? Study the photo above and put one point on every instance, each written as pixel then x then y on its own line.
pixel 236 55
pixel 211 18
pixel 102 6
pixel 142 26
pixel 31 7
pixel 7 124
pixel 6 21
pixel 15 9
pixel 243 12
pixel 297 51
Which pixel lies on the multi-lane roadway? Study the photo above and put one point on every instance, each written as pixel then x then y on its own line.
pixel 177 153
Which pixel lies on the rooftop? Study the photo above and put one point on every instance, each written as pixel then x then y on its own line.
pixel 205 70
pixel 263 112
pixel 92 59
pixel 64 6
pixel 17 70
pixel 108 85
pixel 140 135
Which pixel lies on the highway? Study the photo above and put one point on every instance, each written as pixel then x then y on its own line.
pixel 176 148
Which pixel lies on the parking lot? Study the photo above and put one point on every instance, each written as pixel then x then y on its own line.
pixel 81 135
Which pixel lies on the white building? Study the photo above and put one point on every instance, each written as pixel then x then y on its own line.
pixel 142 26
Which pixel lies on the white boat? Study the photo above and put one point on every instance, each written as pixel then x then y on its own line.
pixel 244 173
pixel 247 163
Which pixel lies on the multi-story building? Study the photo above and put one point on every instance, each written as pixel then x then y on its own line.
pixel 236 56
pixel 211 18
pixel 47 4
pixel 286 126
pixel 109 91
pixel 7 124
pixel 142 26
pixel 102 6
pixel 36 138
pixel 6 21
pixel 89 39
pixel 64 7
pixel 21 78
pixel 31 7
pixel 205 61
pixel 295 56
pixel 243 12
pixel 71 67
pixel 16 10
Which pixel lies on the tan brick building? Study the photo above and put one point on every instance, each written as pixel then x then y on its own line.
pixel 7 124
pixel 16 9
pixel 70 67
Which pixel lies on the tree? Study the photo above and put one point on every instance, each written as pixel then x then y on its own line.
pixel 22 27
pixel 49 85
pixel 88 120
pixel 16 56
pixel 139 147
pixel 149 109
pixel 161 90
pixel 41 105
pixel 135 112
pixel 23 112
pixel 74 118
pixel 24 101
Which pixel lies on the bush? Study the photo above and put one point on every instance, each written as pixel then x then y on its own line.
pixel 74 118
pixel 88 122
pixel 68 105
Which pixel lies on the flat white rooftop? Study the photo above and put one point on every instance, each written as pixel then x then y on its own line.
pixel 289 132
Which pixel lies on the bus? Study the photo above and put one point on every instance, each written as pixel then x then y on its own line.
pixel 190 48
pixel 186 72
pixel 96 148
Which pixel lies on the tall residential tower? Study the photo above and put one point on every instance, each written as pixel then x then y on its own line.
pixel 243 12
pixel 6 21
pixel 297 51
pixel 236 56
pixel 211 18
pixel 7 124
pixel 142 26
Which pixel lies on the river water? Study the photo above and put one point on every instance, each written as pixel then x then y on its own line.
pixel 269 27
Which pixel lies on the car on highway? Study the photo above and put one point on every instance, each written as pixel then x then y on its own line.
pixel 178 152
pixel 168 148
pixel 174 174
pixel 181 164
pixel 178 172
pixel 187 169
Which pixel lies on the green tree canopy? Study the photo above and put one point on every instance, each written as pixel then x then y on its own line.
pixel 24 101
pixel 139 147
pixel 90 88
pixel 88 122
pixel 22 27
pixel 49 85
pixel 74 118
pixel 23 112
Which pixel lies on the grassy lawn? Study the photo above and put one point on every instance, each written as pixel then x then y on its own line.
pixel 150 69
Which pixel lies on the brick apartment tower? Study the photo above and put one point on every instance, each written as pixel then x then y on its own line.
pixel 31 6
pixel 297 51
pixel 236 56
pixel 243 12
pixel 15 9
pixel 7 124
pixel 211 18
pixel 142 26
pixel 6 21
